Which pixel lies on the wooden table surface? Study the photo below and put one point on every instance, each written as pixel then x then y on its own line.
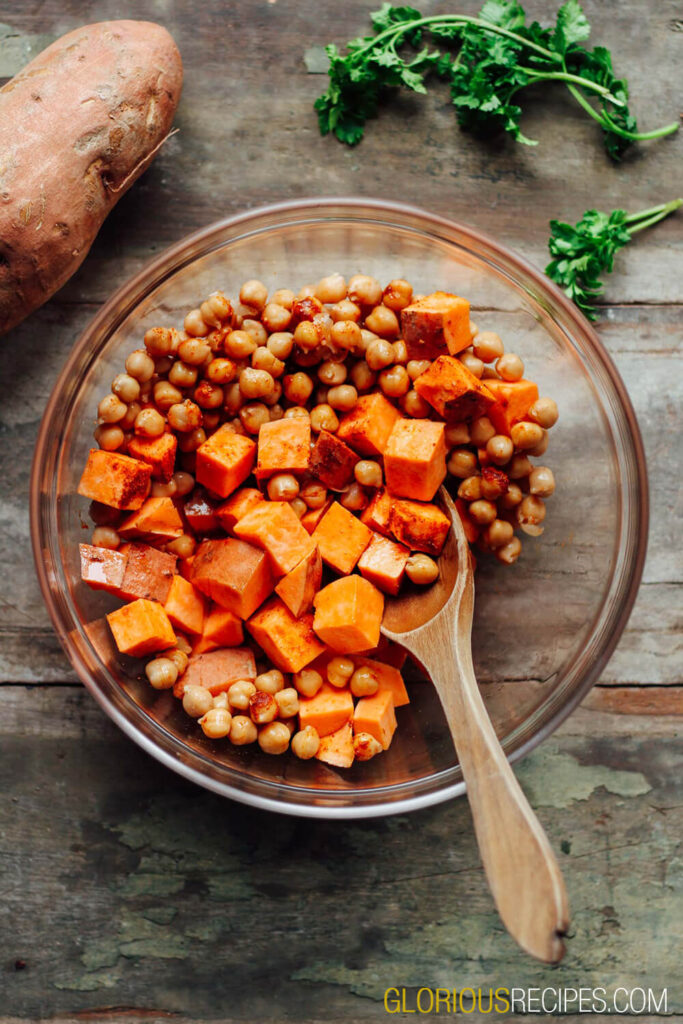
pixel 127 893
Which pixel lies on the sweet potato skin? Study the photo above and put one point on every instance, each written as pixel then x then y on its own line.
pixel 102 98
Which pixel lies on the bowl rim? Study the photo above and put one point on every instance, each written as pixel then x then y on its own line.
pixel 335 206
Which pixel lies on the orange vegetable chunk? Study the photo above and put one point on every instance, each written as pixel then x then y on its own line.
pixel 329 710
pixel 415 459
pixel 421 527
pixel 367 427
pixel 115 480
pixel 290 643
pixel 157 519
pixel 348 615
pixel 102 569
pixel 234 574
pixel 332 461
pixel 469 526
pixel 384 563
pixel 376 715
pixel 341 537
pixel 221 629
pixel 157 452
pixel 284 446
pixel 453 390
pixel 185 567
pixel 225 460
pixel 185 606
pixel 141 627
pixel 310 519
pixel 149 573
pixel 275 527
pixel 298 588
pixel 513 399
pixel 201 511
pixel 337 748
pixel 437 323
pixel 388 677
pixel 237 506
pixel 376 515
pixel 218 670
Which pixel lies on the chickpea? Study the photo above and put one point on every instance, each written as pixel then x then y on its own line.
pixel 471 363
pixel 394 381
pixel 510 367
pixel 400 352
pixel 297 412
pixel 364 290
pixel 109 436
pixel 494 484
pixel 417 366
pixel 287 701
pixel 184 483
pixel 191 441
pixel 345 310
pixel 498 533
pixel 541 482
pixel 362 376
pixel 544 412
pixel 422 569
pixel 283 487
pixel 398 294
pixel 530 512
pixel 379 354
pixel 382 321
pixel 510 552
pixel 526 435
pixel 343 397
pixel 499 449
pixel 240 344
pixel 211 421
pixel 305 744
pixel 366 337
pixel 194 352
pixel 339 671
pixel 183 546
pixel 162 366
pixel 149 423
pixel 253 416
pixel 220 700
pixel 471 489
pixel 368 473
pixel 307 682
pixel 194 324
pixel 254 294
pixel 542 446
pixel 364 682
pixel 457 434
pixel 162 673
pixel 140 365
pixel 165 395
pixel 365 746
pixel 218 306
pixel 270 682
pixel 462 463
pixel 111 409
pixel 332 374
pixel 276 318
pixel 197 701
pixel 487 346
pixel 256 383
pixel 184 416
pixel 512 496
pixel 353 498
pixel 256 331
pixel 262 707
pixel 179 658
pixel 159 342
pixel 323 417
pixel 233 398
pixel 274 738
pixel 331 288
pixel 483 512
pixel 298 507
pixel 242 731
pixel 519 467
pixel 283 297
pixel 346 334
pixel 414 405
pixel 162 489
pixel 131 415
pixel 183 376
pixel 473 329
pixel 126 388
pixel 182 644
pixel 240 693
pixel 307 336
pixel 281 344
pixel 298 388
pixel 216 723
pixel 105 537
pixel 314 494
pixel 481 431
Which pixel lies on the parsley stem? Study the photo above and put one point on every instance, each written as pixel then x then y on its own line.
pixel 566 76
pixel 646 218
pixel 606 122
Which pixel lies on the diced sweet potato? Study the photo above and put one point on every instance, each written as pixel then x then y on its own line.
pixel 438 323
pixel 337 748
pixel 513 399
pixel 376 715
pixel 376 514
pixel 298 588
pixel 157 452
pixel 284 446
pixel 341 537
pixel 367 427
pixel 310 519
pixel 101 568
pixel 185 567
pixel 201 511
pixel 421 527
pixel 149 573
pixel 348 615
pixel 185 606
pixel 221 629
pixel 225 460
pixel 332 461
pixel 115 480
pixel 384 563
pixel 158 519
pixel 275 527
pixel 290 643
pixel 453 390
pixel 237 506
pixel 327 711
pixel 234 574
pixel 389 653
pixel 415 459
pixel 388 677
pixel 218 670
pixel 471 529
pixel 141 627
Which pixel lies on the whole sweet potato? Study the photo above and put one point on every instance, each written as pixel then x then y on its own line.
pixel 78 125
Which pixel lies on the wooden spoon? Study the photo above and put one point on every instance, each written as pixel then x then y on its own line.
pixel 435 625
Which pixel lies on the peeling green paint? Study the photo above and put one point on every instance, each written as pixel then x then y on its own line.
pixel 553 778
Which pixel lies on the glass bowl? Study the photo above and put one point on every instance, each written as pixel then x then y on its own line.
pixel 544 628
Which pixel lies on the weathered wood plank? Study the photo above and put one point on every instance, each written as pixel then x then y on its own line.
pixel 636 700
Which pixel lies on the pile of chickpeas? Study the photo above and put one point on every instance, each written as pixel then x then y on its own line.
pixel 312 354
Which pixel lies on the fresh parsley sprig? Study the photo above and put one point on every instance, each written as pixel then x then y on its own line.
pixel 585 250
pixel 499 55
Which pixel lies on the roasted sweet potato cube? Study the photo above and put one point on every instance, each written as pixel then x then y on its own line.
pixel 221 629
pixel 421 527
pixel 329 710
pixel 237 506
pixel 415 459
pixel 337 748
pixel 115 480
pixel 389 678
pixel 453 390
pixel 225 460
pixel 341 537
pixel 141 627
pixel 234 574
pixel 367 427
pixel 284 446
pixel 217 670
pixel 101 568
pixel 384 563
pixel 185 606
pixel 149 573
pixel 157 452
pixel 376 514
pixel 201 511
pixel 513 399
pixel 275 527
pixel 348 614
pixel 290 643
pixel 310 519
pixel 158 519
pixel 437 323
pixel 332 461
pixel 376 715
pixel 298 588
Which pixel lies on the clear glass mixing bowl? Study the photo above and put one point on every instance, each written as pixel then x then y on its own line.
pixel 544 628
